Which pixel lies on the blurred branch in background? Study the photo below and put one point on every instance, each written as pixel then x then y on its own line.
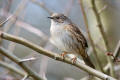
pixel 32 29
pixel 68 8
pixel 44 60
pixel 53 56
pixel 117 50
pixel 99 65
pixel 100 26
pixel 2 23
pixel 6 8
pixel 16 32
pixel 42 5
pixel 12 68
pixel 21 64
pixel 16 13
pixel 90 50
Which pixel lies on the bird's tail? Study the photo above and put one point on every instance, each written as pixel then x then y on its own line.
pixel 87 60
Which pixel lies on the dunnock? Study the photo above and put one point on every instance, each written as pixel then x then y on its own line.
pixel 66 36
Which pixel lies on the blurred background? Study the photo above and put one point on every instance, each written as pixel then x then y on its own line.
pixel 29 20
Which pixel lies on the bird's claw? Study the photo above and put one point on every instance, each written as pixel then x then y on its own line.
pixel 63 55
pixel 74 60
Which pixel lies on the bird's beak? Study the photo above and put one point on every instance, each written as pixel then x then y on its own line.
pixel 50 17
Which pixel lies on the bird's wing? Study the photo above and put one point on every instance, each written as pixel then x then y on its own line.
pixel 76 33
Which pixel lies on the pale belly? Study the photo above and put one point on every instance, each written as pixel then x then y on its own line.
pixel 58 43
pixel 65 43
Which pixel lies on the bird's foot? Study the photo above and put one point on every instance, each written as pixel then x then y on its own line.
pixel 63 54
pixel 74 60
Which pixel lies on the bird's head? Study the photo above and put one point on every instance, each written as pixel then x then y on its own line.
pixel 58 18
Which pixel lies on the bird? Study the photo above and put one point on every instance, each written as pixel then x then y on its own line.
pixel 67 37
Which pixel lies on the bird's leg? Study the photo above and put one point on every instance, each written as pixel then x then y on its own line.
pixel 74 60
pixel 63 54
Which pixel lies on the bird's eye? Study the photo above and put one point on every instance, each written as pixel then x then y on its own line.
pixel 57 17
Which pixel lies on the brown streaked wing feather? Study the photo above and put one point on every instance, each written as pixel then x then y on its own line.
pixel 77 33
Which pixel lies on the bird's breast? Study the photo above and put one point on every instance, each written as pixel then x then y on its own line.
pixel 56 29
pixel 57 34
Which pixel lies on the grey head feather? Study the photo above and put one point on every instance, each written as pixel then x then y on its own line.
pixel 59 18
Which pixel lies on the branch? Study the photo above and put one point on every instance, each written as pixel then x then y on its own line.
pixel 100 26
pixel 89 36
pixel 21 64
pixel 117 50
pixel 52 55
pixel 12 68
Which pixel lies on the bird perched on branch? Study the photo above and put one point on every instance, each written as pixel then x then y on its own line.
pixel 67 37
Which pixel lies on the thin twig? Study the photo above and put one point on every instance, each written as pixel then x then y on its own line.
pixel 117 50
pixel 115 55
pixel 29 59
pixel 52 55
pixel 100 26
pixel 25 77
pixel 103 9
pixel 2 23
pixel 89 36
pixel 12 68
pixel 107 67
